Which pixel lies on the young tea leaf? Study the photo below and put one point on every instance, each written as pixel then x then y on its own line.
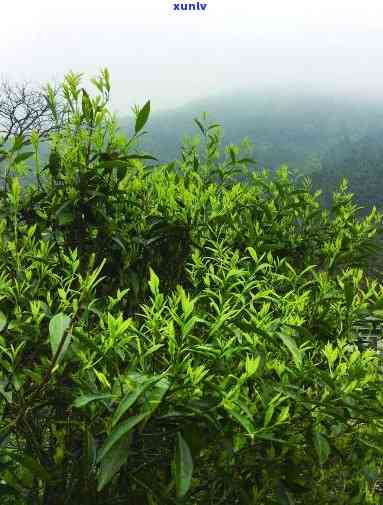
pixel 87 108
pixel 142 117
pixel 57 328
pixel 292 347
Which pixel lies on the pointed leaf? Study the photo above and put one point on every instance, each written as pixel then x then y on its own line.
pixel 349 292
pixel 243 420
pixel 130 399
pixel 112 463
pixel 183 467
pixel 142 117
pixel 140 157
pixel 81 401
pixel 292 347
pixel 23 156
pixel 87 108
pixel 155 396
pixel 200 125
pixel 57 328
pixel 117 434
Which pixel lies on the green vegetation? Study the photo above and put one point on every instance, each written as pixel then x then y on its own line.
pixel 326 137
pixel 170 334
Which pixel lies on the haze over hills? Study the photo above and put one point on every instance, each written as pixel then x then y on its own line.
pixel 330 136
pixel 293 128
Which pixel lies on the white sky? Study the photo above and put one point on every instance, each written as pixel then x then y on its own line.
pixel 172 57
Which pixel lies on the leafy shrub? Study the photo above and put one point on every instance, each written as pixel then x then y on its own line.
pixel 171 334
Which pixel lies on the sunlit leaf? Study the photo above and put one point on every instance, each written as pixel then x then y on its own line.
pixel 292 347
pixel 57 328
pixel 142 117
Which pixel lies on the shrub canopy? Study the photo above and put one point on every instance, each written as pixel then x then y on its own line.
pixel 182 333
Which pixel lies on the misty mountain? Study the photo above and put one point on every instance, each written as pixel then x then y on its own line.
pixel 299 129
pixel 361 163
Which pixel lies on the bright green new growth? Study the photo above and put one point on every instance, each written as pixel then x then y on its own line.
pixel 186 333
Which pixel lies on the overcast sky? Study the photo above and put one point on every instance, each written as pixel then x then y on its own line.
pixel 173 57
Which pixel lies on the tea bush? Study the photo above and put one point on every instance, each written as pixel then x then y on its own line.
pixel 181 333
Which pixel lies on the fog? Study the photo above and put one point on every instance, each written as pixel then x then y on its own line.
pixel 173 57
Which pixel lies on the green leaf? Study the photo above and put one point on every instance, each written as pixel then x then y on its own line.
pixel 87 108
pixel 212 126
pixel 248 160
pixel 155 396
pixel 322 446
pixel 112 463
pixel 243 420
pixel 268 415
pixel 3 321
pixel 200 126
pixel 106 76
pixel 154 282
pixel 81 401
pixel 183 467
pixel 142 117
pixel 292 347
pixel 232 155
pixel 140 157
pixel 349 292
pixel 23 156
pixel 130 399
pixel 116 435
pixel 57 328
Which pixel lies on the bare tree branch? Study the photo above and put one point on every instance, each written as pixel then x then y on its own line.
pixel 24 108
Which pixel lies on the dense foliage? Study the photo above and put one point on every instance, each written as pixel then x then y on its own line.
pixel 171 335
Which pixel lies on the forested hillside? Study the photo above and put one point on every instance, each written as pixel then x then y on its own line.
pixel 285 127
pixel 361 162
